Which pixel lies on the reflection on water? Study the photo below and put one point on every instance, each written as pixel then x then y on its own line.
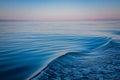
pixel 27 47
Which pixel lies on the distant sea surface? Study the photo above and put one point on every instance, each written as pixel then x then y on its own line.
pixel 27 47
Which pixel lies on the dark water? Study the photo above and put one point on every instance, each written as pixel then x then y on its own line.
pixel 101 63
pixel 27 47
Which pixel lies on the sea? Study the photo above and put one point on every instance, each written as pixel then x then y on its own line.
pixel 27 47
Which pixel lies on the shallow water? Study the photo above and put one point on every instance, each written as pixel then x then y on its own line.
pixel 27 47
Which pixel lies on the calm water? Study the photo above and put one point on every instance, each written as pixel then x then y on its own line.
pixel 27 47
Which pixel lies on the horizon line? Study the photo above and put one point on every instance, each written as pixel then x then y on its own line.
pixel 17 20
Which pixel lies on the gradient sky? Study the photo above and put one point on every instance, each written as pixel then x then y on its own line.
pixel 59 9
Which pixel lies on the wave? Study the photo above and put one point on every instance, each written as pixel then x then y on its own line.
pixel 100 63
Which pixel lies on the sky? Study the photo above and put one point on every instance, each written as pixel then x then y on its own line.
pixel 59 9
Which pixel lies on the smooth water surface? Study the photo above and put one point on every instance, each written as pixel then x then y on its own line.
pixel 27 47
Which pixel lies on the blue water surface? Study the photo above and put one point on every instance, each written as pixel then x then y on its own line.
pixel 27 47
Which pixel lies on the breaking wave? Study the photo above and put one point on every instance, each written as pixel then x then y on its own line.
pixel 100 63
